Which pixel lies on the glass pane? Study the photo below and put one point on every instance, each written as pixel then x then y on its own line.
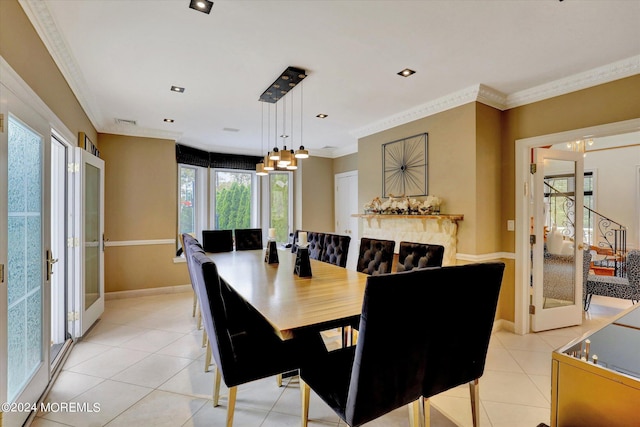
pixel 187 206
pixel 25 263
pixel 559 264
pixel 233 200
pixel 279 204
pixel 92 235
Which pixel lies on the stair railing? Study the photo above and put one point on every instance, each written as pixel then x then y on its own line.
pixel 607 236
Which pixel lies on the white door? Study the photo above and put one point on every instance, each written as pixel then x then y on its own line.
pixel 60 245
pixel 557 205
pixel 346 204
pixel 90 208
pixel 24 246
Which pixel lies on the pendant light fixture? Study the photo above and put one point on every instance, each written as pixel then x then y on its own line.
pixel 301 153
pixel 282 158
pixel 269 164
pixel 260 170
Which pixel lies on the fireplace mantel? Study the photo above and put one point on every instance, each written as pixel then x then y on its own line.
pixel 434 229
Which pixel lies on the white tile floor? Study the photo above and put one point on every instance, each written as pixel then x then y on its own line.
pixel 143 365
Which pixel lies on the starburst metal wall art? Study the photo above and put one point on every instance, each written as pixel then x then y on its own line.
pixel 404 167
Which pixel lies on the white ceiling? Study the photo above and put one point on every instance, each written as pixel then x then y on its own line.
pixel 121 58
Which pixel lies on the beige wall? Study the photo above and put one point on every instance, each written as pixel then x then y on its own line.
pixel 606 103
pixel 451 165
pixel 345 163
pixel 141 187
pixel 316 190
pixel 23 50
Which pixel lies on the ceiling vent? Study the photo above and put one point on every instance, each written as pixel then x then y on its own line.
pixel 231 130
pixel 328 147
pixel 125 122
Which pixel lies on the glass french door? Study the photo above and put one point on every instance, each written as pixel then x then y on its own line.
pixel 557 239
pixel 90 205
pixel 25 256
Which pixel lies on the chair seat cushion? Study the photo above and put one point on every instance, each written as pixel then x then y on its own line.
pixel 611 286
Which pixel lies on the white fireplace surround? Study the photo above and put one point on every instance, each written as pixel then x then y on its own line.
pixel 432 229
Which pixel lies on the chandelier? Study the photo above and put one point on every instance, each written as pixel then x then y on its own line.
pixel 281 158
pixel 580 146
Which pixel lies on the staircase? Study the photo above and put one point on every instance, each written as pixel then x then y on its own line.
pixel 608 238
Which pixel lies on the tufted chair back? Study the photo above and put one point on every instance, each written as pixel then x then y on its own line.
pixel 316 244
pixel 376 256
pixel 217 240
pixel 404 349
pixel 412 256
pixel 336 249
pixel 248 239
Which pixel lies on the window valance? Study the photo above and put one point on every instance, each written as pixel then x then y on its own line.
pixel 196 157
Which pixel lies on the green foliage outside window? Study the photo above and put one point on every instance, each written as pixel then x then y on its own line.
pixel 233 200
pixel 279 193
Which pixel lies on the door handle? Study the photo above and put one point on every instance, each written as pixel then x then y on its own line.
pixel 50 262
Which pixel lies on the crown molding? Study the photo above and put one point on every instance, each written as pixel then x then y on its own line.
pixel 478 92
pixel 44 24
pixel 596 76
pixel 493 98
pixel 129 130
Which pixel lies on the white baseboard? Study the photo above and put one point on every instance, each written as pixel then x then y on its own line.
pixel 148 292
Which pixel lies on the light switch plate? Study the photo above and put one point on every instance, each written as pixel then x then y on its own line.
pixel 511 225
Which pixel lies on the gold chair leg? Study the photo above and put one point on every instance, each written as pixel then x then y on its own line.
pixel 305 393
pixel 216 387
pixel 195 304
pixel 279 380
pixel 231 405
pixel 419 413
pixel 474 390
pixel 205 339
pixel 199 323
pixel 207 357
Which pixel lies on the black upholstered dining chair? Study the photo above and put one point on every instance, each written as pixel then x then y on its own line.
pixel 217 240
pixel 243 343
pixel 248 238
pixel 191 245
pixel 316 244
pixel 419 255
pixel 405 351
pixel 336 249
pixel 375 256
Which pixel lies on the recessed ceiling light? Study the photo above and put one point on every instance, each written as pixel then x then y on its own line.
pixel 322 116
pixel 169 120
pixel 203 6
pixel 406 72
pixel 177 89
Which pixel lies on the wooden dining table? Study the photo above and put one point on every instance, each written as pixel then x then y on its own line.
pixel 331 297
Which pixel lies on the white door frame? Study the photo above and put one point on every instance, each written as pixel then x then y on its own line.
pixel 522 160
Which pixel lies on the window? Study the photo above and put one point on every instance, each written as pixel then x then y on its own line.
pixel 280 206
pixel 191 199
pixel 235 199
pixel 560 189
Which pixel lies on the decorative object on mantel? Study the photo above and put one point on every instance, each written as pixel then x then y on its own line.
pixel 404 166
pixel 404 206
